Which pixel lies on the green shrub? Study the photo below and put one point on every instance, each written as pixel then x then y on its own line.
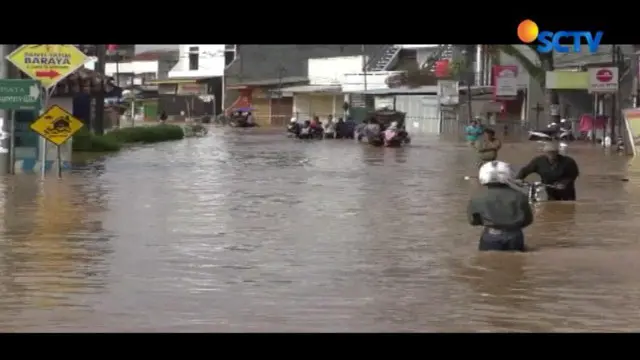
pixel 147 134
pixel 83 140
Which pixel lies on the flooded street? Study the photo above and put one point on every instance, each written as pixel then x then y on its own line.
pixel 250 231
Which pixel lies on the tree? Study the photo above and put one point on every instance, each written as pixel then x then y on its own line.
pixel 536 69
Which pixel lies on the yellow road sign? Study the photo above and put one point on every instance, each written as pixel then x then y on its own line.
pixel 47 63
pixel 56 125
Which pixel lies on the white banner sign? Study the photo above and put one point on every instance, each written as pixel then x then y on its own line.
pixel 448 92
pixel 506 81
pixel 603 79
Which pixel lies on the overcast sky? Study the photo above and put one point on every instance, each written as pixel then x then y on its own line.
pixel 142 47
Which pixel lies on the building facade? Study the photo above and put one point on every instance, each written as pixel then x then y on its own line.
pixel 142 69
pixel 255 74
pixel 199 61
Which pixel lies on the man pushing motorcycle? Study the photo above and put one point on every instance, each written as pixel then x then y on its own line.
pixel 558 171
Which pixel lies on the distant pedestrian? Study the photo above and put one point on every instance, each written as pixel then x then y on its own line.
pixel 473 132
pixel 488 147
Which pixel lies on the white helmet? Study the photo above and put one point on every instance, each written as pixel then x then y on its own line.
pixel 293 120
pixel 563 147
pixel 495 172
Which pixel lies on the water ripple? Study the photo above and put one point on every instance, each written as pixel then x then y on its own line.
pixel 250 231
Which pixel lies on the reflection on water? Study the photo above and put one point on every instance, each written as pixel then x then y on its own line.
pixel 51 251
pixel 250 231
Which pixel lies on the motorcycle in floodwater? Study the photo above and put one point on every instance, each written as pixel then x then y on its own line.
pixel 536 191
pixel 551 133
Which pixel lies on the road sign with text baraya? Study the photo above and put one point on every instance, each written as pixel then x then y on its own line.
pixel 47 63
pixel 56 125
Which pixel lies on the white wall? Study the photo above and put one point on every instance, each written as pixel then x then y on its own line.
pixel 330 71
pixel 210 62
pixel 354 82
pixel 133 67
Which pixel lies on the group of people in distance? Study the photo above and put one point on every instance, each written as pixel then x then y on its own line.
pixel 315 128
pixel 503 209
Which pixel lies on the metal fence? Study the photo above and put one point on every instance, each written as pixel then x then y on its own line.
pixel 510 130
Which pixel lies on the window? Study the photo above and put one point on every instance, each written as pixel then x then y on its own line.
pixel 148 77
pixel 229 56
pixel 194 54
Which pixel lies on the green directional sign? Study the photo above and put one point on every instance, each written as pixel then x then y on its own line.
pixel 19 94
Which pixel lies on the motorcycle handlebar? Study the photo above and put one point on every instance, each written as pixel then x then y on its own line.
pixel 526 183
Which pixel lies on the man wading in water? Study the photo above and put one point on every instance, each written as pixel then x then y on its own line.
pixel 488 147
pixel 500 209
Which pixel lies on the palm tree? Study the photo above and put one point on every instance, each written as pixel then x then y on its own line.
pixel 536 68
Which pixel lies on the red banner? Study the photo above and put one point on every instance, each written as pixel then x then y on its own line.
pixel 441 68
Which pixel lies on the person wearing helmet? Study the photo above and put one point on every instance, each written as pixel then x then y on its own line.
pixel 555 169
pixel 294 127
pixel 502 210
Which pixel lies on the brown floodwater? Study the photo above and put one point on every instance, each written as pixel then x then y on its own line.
pixel 251 231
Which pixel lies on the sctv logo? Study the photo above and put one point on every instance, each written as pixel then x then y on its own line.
pixel 528 32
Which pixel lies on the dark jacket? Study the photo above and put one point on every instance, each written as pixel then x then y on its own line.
pixel 564 171
pixel 500 207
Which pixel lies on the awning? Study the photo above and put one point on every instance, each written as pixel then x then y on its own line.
pixel 242 102
pixel 267 82
pixel 331 89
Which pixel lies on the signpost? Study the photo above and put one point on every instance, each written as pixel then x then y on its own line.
pixel 17 94
pixel 603 83
pixel 448 92
pixel 57 125
pixel 603 79
pixel 48 64
pixel 505 79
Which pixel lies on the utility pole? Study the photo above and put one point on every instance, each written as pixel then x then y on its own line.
pixel 468 70
pixel 5 126
pixel 364 76
pixel 101 53
pixel 364 67
pixel 281 72
pixel 612 118
pixel 635 72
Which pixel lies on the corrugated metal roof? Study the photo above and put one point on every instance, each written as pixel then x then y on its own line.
pixel 313 88
pixel 179 80
pixel 405 90
pixel 274 81
pixel 402 90
pixel 584 57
